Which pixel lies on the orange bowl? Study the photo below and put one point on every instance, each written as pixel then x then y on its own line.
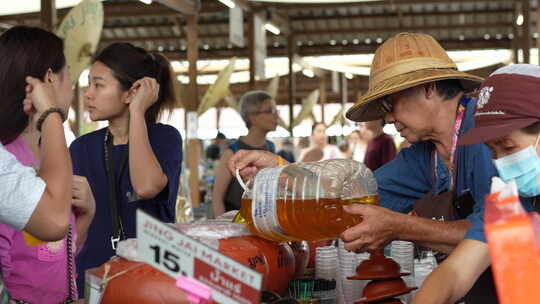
pixel 389 301
pixel 383 289
pixel 377 267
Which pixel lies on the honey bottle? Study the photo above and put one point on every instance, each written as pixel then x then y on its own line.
pixel 304 201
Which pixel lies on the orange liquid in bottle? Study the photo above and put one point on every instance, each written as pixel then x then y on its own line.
pixel 309 220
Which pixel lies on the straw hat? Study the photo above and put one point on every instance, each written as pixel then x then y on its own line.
pixel 404 61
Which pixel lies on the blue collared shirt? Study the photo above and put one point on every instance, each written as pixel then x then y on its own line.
pixel 409 176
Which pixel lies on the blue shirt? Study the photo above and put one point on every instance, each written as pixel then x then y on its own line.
pixel 409 176
pixel 87 154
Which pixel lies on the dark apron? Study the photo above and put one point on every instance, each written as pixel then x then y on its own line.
pixel 447 207
pixel 430 206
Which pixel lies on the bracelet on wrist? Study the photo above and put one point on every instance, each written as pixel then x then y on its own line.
pixel 46 114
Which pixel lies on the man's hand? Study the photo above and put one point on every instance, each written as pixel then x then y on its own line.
pixel 378 228
pixel 249 162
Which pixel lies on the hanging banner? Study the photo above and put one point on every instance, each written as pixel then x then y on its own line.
pixel 260 46
pixel 218 90
pixel 273 87
pixel 236 26
pixel 307 107
pixel 81 29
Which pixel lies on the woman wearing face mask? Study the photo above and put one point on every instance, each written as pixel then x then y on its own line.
pixel 135 162
pixel 508 122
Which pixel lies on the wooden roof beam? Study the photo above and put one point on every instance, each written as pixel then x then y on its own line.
pixel 293 7
pixel 318 50
pixel 110 9
pixel 394 30
pixel 317 32
pixel 283 18
pixel 404 14
pixel 187 7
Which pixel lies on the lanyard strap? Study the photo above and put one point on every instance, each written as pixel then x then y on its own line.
pixel 118 229
pixel 460 114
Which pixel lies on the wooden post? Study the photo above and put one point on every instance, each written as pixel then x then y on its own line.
pixel 516 32
pixel 343 91
pixel 251 49
pixel 218 116
pixel 526 30
pixel 192 103
pixel 322 99
pixel 48 15
pixel 291 46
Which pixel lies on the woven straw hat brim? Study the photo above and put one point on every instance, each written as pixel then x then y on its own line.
pixel 368 108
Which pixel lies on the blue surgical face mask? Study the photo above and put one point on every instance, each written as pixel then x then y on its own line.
pixel 524 167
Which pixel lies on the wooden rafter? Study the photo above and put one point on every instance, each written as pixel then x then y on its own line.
pixel 188 7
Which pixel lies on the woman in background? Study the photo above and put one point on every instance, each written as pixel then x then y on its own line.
pixel 258 110
pixel 357 145
pixel 381 148
pixel 319 149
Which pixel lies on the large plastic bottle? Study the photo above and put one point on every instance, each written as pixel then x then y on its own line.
pixel 304 201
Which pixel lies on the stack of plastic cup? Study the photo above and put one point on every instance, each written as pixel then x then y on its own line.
pixel 423 267
pixel 403 253
pixel 348 261
pixel 326 262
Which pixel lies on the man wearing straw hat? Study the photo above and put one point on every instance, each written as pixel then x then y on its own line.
pixel 417 87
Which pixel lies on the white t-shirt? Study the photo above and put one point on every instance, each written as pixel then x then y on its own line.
pixel 20 190
pixel 329 152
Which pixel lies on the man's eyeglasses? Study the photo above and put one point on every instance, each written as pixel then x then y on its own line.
pixel 387 106
pixel 269 111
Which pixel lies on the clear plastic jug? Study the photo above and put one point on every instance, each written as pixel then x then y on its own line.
pixel 304 201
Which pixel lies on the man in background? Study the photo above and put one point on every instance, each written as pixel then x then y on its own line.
pixel 381 148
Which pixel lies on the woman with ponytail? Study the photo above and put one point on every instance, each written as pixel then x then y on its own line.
pixel 135 162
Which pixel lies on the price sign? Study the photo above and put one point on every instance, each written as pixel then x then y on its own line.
pixel 192 125
pixel 174 253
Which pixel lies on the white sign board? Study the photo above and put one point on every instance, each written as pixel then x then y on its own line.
pixel 236 26
pixel 192 125
pixel 174 253
pixel 335 82
pixel 344 89
pixel 260 46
